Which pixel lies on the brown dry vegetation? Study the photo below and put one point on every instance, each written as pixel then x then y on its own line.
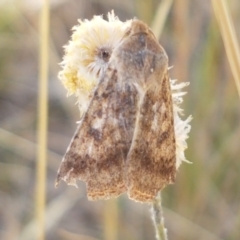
pixel 204 201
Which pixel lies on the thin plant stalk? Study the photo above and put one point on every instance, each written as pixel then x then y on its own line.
pixel 158 219
pixel 111 220
pixel 42 123
pixel 229 38
pixel 144 10
pixel 160 17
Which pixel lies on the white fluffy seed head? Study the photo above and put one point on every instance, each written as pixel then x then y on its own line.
pixel 86 55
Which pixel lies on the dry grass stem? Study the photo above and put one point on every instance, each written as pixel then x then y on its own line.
pixel 229 38
pixel 111 219
pixel 160 17
pixel 42 122
pixel 55 211
pixel 25 148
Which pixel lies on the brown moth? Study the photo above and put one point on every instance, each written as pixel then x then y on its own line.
pixel 126 141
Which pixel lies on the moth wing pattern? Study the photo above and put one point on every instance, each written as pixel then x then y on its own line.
pixel 126 140
pixel 100 145
pixel 151 161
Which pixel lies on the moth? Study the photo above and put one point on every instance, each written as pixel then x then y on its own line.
pixel 125 141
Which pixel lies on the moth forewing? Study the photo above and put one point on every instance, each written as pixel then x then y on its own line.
pixel 98 151
pixel 151 161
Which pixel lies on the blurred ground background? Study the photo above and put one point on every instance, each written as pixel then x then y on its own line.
pixel 204 201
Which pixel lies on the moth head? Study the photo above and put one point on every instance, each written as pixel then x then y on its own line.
pixel 138 27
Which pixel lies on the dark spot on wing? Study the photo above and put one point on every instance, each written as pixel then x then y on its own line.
pixel 95 134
